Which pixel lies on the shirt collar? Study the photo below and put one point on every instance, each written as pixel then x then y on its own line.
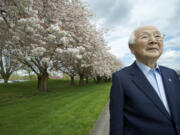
pixel 146 69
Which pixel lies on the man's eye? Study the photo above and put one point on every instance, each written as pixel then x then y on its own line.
pixel 144 37
pixel 157 36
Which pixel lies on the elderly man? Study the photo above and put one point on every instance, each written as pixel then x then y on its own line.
pixel 145 97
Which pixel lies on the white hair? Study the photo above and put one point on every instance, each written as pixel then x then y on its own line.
pixel 133 35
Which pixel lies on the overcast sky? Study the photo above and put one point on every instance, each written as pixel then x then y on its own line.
pixel 121 17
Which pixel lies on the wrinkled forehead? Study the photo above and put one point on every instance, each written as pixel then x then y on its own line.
pixel 146 29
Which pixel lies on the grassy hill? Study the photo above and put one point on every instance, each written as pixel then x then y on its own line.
pixel 65 110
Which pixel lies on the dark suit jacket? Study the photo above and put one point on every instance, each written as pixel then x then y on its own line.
pixel 136 109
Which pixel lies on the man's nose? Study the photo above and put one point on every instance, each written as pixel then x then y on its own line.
pixel 152 39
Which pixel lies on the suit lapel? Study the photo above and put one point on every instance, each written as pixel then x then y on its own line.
pixel 170 93
pixel 141 81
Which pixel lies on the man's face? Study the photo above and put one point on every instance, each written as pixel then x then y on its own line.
pixel 148 43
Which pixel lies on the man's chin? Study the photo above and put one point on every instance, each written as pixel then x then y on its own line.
pixel 153 55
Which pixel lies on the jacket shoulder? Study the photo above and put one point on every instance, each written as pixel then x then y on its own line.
pixel 167 70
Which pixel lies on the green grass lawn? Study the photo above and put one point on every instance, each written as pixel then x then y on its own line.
pixel 65 110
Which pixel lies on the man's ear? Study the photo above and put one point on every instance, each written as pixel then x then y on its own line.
pixel 131 47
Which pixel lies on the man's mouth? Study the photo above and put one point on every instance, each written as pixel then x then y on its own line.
pixel 149 49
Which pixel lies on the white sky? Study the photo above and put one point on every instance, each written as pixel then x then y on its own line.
pixel 121 17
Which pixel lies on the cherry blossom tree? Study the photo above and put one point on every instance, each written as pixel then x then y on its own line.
pixel 35 35
pixel 111 64
pixel 87 42
pixel 71 59
pixel 89 59
pixel 8 63
pixel 56 34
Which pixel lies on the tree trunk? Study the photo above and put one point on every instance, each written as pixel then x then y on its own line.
pixel 72 80
pixel 39 82
pixel 98 79
pixel 43 82
pixel 105 79
pixel 6 80
pixel 81 80
pixel 86 80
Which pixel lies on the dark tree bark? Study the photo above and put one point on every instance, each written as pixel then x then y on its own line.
pixel 43 82
pixel 105 79
pixel 6 78
pixel 87 80
pixel 98 78
pixel 72 80
pixel 81 82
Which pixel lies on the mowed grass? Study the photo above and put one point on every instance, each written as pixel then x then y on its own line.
pixel 64 110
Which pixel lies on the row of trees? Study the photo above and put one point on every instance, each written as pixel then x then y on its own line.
pixel 51 35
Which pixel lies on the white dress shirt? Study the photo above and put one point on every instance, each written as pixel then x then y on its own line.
pixel 155 79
